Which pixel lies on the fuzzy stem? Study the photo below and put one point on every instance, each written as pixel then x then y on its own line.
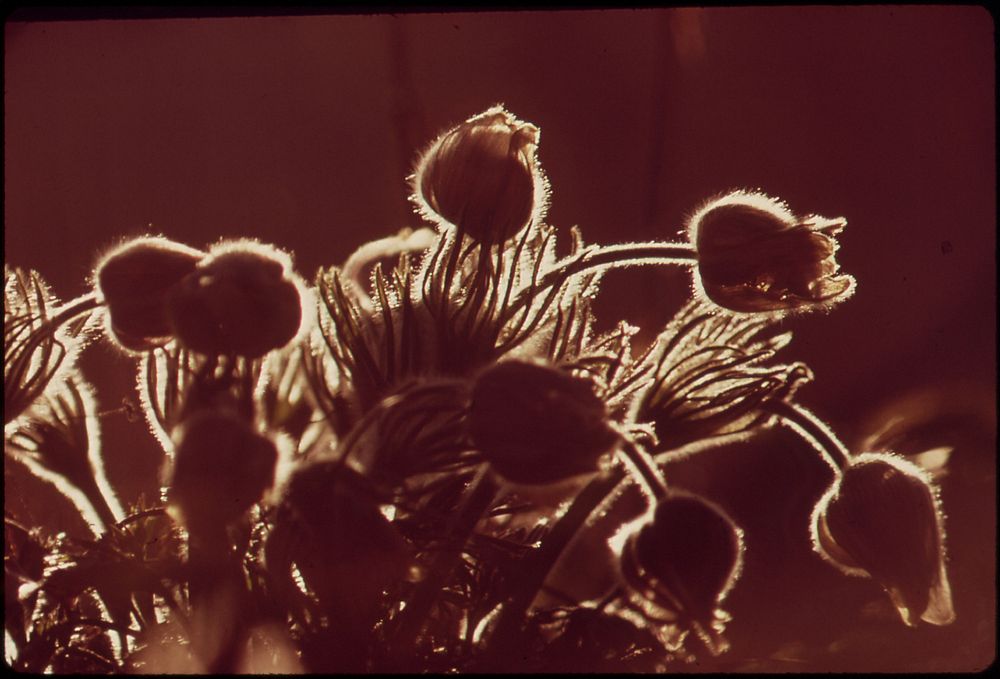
pixel 815 432
pixel 644 464
pixel 607 257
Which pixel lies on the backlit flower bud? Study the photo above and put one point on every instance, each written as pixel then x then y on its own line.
pixel 242 299
pixel 221 468
pixel 134 281
pixel 329 524
pixel 882 519
pixel 754 255
pixel 483 177
pixel 679 565
pixel 537 424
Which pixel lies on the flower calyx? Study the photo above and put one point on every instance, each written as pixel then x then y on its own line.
pixel 242 299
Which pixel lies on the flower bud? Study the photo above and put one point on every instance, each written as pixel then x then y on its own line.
pixel 221 468
pixel 134 281
pixel 537 424
pixel 756 256
pixel 329 524
pixel 683 562
pixel 240 300
pixel 882 519
pixel 483 177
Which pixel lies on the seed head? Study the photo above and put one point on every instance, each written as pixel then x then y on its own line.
pixel 483 177
pixel 756 256
pixel 134 281
pixel 881 519
pixel 537 424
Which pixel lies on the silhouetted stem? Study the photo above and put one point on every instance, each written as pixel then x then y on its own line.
pixel 606 257
pixel 539 563
pixel 647 469
pixel 803 422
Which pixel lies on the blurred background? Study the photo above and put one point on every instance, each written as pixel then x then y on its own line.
pixel 301 130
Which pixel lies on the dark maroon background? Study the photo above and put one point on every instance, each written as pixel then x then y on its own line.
pixel 300 131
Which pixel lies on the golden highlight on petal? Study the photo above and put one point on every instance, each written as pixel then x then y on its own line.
pixel 756 256
pixel 882 519
pixel 483 177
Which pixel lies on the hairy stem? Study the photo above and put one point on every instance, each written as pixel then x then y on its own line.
pixel 815 432
pixel 595 258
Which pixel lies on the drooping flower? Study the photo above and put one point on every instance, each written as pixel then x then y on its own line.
pixel 882 519
pixel 134 281
pixel 680 564
pixel 755 255
pixel 242 299
pixel 483 177
pixel 537 424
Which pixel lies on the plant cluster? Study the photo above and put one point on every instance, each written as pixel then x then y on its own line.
pixel 385 470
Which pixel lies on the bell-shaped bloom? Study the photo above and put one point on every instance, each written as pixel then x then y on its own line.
pixel 243 299
pixel 537 424
pixel 679 565
pixel 483 177
pixel 134 281
pixel 328 524
pixel 882 519
pixel 221 467
pixel 754 255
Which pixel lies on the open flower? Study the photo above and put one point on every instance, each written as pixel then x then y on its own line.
pixel 134 280
pixel 537 424
pixel 679 565
pixel 754 255
pixel 243 299
pixel 882 519
pixel 483 177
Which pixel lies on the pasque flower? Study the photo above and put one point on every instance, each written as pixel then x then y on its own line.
pixel 754 255
pixel 482 177
pixel 134 281
pixel 537 424
pixel 474 474
pixel 682 562
pixel 242 299
pixel 882 519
